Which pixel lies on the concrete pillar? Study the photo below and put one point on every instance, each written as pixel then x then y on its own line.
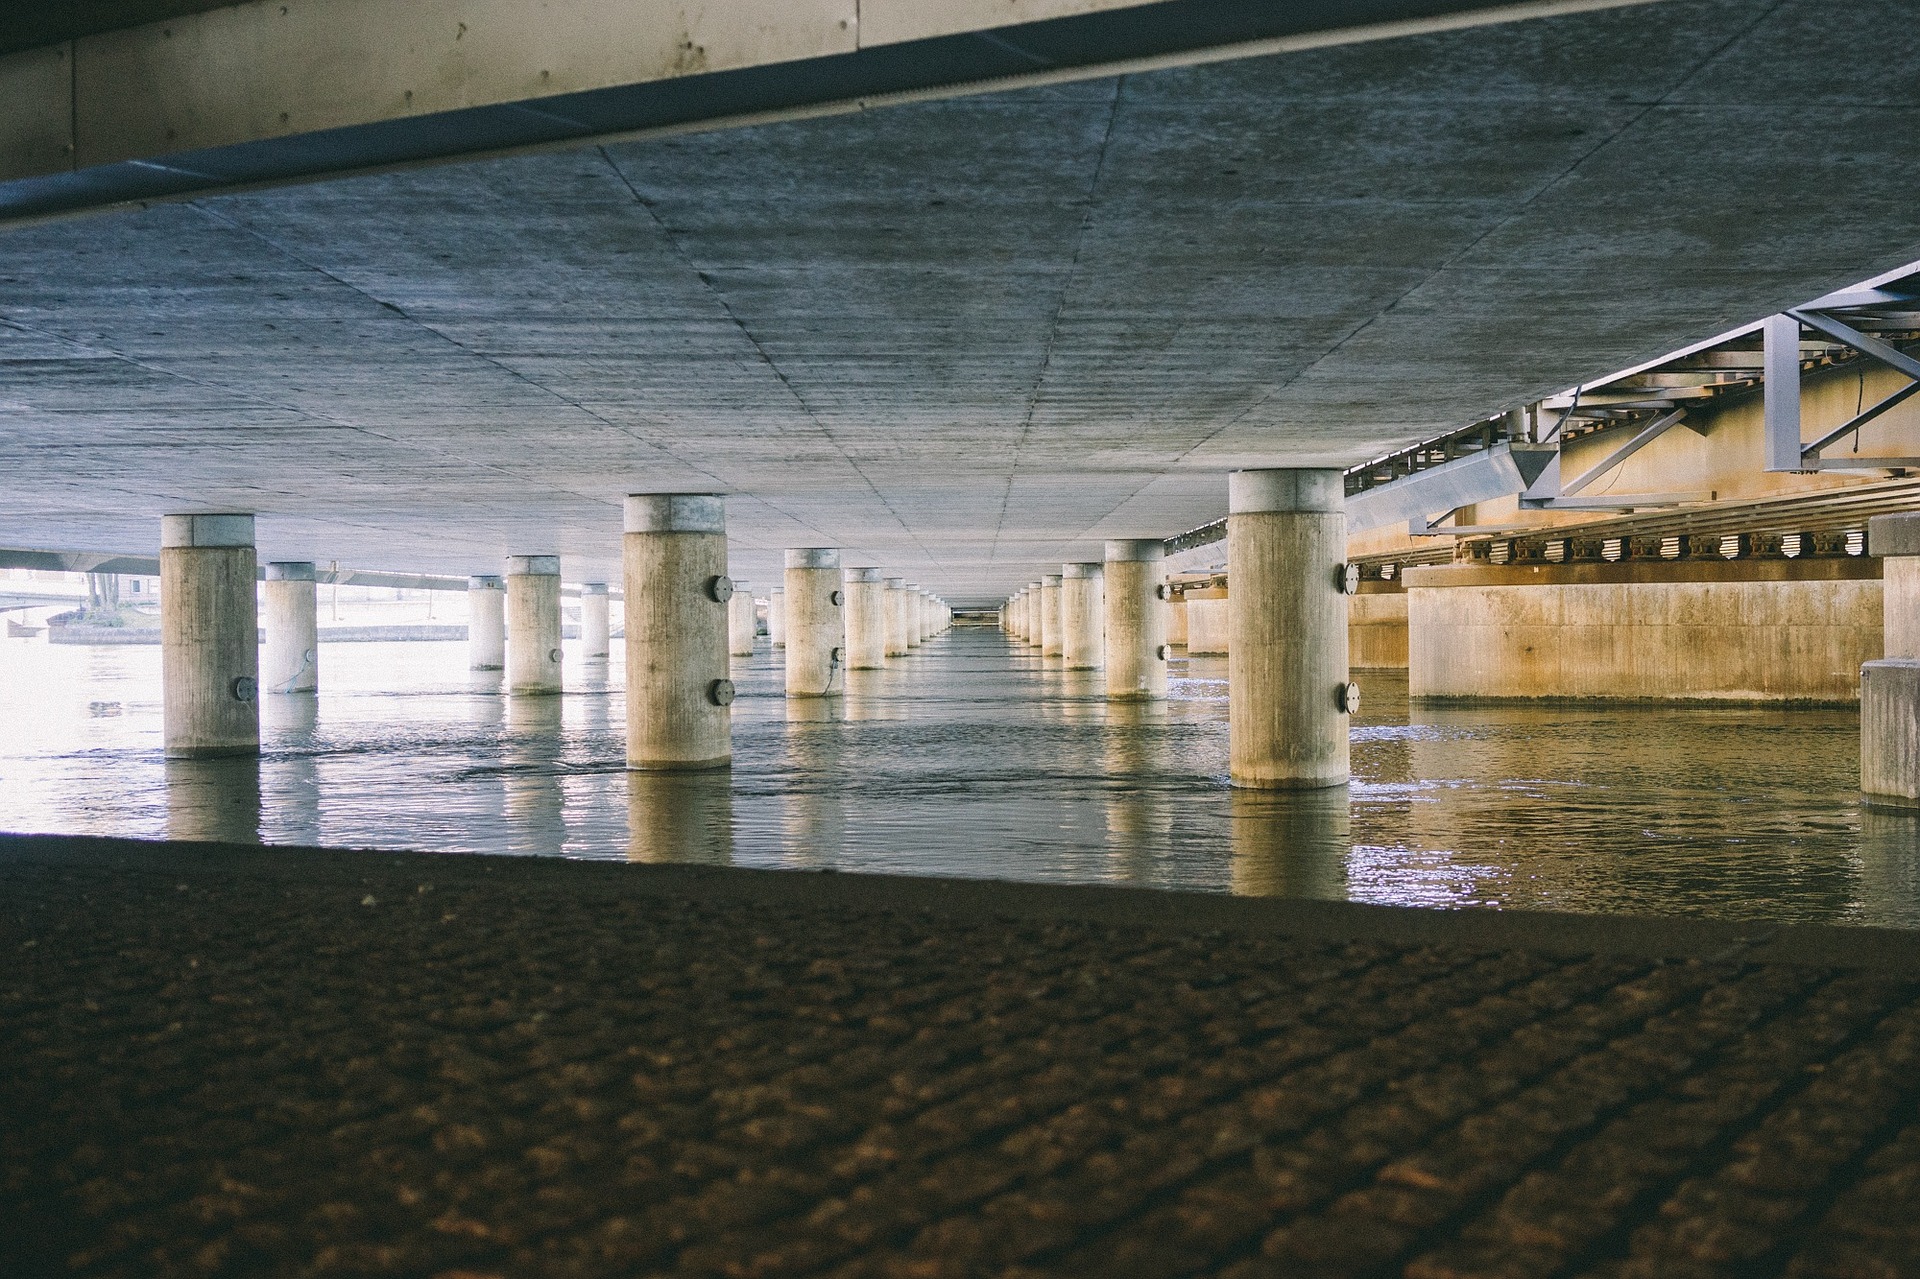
pixel 1050 617
pixel 678 692
pixel 290 659
pixel 1036 606
pixel 209 636
pixel 1287 618
pixel 896 617
pixel 487 623
pixel 533 624
pixel 741 621
pixel 910 613
pixel 1082 617
pixel 866 618
pixel 1136 620
pixel 596 630
pixel 777 619
pixel 816 624
pixel 1890 688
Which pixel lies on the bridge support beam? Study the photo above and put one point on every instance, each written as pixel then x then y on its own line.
pixel 596 627
pixel 1890 689
pixel 1287 618
pixel 209 636
pixel 533 624
pixel 290 659
pixel 678 692
pixel 486 623
pixel 816 628
pixel 1135 620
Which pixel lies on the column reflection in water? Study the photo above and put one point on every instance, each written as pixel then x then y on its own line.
pixel 680 817
pixel 814 815
pixel 216 799
pixel 1140 808
pixel 1291 843
pixel 535 806
pixel 1889 891
pixel 873 694
pixel 290 741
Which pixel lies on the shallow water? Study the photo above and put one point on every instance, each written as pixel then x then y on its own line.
pixel 973 759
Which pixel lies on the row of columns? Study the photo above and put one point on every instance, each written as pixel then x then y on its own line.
pixel 1288 691
pixel 684 618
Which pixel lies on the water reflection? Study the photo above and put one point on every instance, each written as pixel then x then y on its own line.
pixel 680 817
pixel 973 758
pixel 1291 843
pixel 214 799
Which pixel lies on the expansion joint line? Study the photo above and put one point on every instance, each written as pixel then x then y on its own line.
pixel 766 357
pixel 1059 311
pixel 448 339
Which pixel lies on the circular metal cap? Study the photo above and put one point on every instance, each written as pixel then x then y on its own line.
pixel 1348 579
pixel 1348 696
pixel 720 692
pixel 720 589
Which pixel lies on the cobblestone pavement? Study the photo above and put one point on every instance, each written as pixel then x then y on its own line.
pixel 246 1062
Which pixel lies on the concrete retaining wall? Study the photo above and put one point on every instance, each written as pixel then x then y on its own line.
pixel 1748 636
pixel 1377 631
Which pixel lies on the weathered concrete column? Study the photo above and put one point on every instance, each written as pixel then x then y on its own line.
pixel 777 618
pixel 533 624
pixel 910 614
pixel 678 692
pixel 209 636
pixel 896 616
pixel 741 621
pixel 1051 618
pixel 816 624
pixel 1036 606
pixel 1287 616
pixel 1082 616
pixel 290 659
pixel 596 628
pixel 1890 688
pixel 1136 620
pixel 487 623
pixel 866 618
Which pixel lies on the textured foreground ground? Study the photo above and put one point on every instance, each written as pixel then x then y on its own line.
pixel 222 1061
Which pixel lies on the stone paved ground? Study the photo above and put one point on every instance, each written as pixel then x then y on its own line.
pixel 235 1062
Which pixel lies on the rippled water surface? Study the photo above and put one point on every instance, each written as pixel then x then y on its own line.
pixel 972 759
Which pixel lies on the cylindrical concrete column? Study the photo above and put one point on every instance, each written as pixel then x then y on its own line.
pixel 1050 617
pixel 533 624
pixel 1082 617
pixel 910 614
pixel 1136 620
pixel 866 619
pixel 777 618
pixel 816 624
pixel 209 636
pixel 596 629
pixel 487 623
pixel 1287 624
pixel 741 621
pixel 290 659
pixel 1896 540
pixel 678 692
pixel 896 616
pixel 1036 607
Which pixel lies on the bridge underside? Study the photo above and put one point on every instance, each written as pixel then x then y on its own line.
pixel 960 338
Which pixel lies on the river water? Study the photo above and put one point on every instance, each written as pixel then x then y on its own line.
pixel 974 759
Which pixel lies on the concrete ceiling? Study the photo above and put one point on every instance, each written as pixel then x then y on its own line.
pixel 961 339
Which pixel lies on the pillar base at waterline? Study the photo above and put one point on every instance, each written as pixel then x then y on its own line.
pixel 209 636
pixel 1287 624
pixel 1890 734
pixel 679 692
pixel 533 625
pixel 290 658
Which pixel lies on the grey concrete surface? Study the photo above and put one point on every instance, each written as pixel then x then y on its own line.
pixel 962 339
